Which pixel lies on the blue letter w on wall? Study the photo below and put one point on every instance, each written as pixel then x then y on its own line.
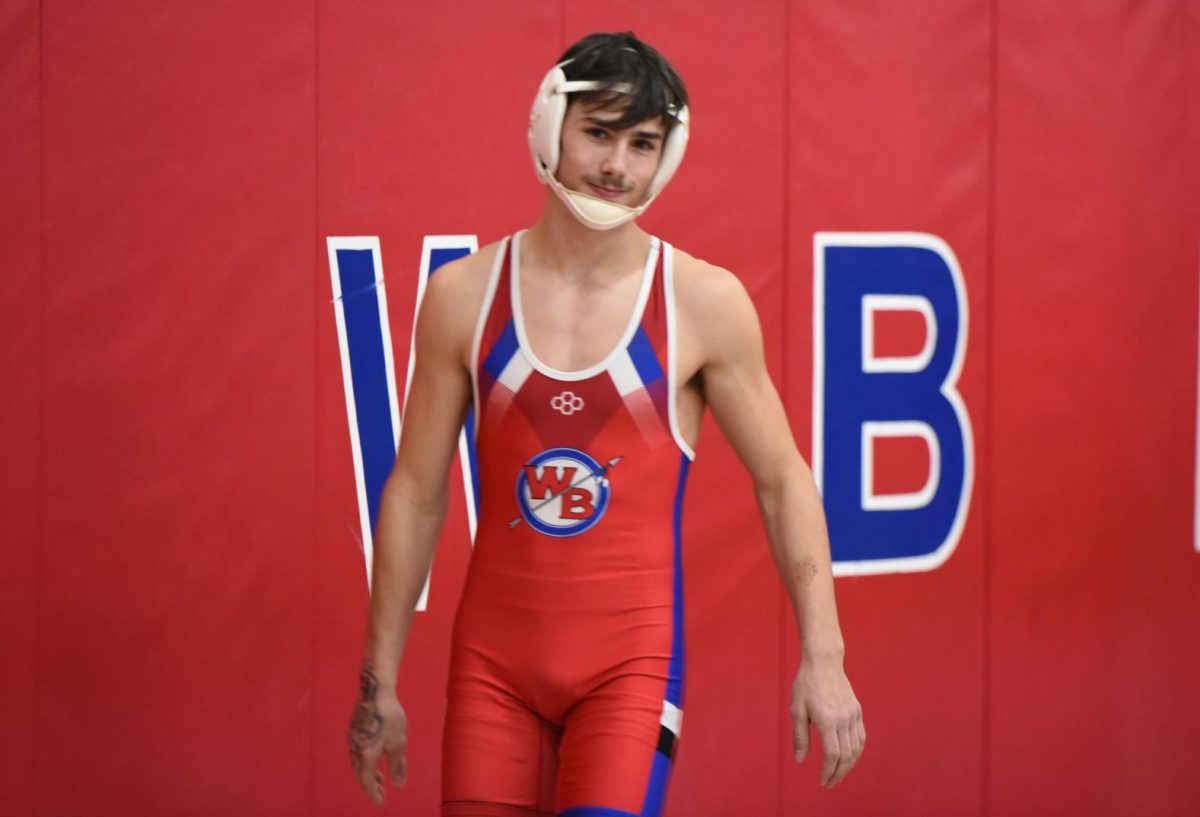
pixel 368 369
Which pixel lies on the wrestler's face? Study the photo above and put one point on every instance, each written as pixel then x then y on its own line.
pixel 597 159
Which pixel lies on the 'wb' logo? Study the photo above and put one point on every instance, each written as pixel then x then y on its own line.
pixel 562 492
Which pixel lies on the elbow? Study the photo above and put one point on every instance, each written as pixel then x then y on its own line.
pixel 770 493
pixel 785 479
pixel 414 492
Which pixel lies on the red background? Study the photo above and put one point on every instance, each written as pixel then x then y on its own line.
pixel 181 595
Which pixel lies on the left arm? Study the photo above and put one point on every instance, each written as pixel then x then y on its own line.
pixel 721 320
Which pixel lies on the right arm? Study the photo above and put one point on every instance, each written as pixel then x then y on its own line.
pixel 411 510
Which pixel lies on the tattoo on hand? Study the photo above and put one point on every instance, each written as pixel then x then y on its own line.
pixel 366 726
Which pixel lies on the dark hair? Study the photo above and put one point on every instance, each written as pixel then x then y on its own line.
pixel 623 58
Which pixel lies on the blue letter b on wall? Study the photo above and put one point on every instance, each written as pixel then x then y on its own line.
pixel 869 398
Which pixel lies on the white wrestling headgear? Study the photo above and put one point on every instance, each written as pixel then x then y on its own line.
pixel 545 135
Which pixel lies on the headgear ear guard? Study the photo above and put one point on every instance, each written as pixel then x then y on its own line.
pixel 545 141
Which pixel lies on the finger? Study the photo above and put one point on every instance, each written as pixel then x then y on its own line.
pixel 376 792
pixel 358 762
pixel 800 733
pixel 372 783
pixel 398 766
pixel 852 741
pixel 832 753
pixel 847 755
pixel 368 774
pixel 364 776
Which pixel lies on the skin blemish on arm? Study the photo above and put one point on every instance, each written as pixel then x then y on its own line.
pixel 804 571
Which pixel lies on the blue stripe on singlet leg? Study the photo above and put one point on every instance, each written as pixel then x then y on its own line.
pixel 595 811
pixel 660 768
pixel 656 792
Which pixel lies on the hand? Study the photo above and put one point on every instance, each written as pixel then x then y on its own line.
pixel 821 694
pixel 377 727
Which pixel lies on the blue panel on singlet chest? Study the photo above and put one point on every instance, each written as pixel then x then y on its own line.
pixel 644 359
pixel 502 352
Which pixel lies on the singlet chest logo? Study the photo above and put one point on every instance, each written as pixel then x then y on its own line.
pixel 567 403
pixel 563 492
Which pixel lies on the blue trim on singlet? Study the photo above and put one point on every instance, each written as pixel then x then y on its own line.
pixel 595 811
pixel 676 667
pixel 656 791
pixel 506 346
pixel 660 764
pixel 473 457
pixel 644 359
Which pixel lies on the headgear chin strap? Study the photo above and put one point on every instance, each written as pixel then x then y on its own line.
pixel 545 141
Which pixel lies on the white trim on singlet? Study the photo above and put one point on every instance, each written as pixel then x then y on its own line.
pixel 669 292
pixel 631 328
pixel 672 718
pixel 489 295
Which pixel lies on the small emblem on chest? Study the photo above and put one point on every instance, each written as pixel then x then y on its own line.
pixel 567 403
pixel 563 492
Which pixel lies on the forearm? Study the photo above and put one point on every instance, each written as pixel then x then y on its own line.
pixel 406 535
pixel 822 697
pixel 794 520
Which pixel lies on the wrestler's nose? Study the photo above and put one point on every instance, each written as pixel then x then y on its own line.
pixel 616 160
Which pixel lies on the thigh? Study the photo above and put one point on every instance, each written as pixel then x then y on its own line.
pixel 498 757
pixel 616 750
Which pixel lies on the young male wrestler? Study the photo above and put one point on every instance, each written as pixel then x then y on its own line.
pixel 590 350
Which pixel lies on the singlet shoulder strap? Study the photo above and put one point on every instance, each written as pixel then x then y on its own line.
pixel 494 323
pixel 672 346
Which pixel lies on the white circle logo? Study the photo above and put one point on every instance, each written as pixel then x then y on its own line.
pixel 562 492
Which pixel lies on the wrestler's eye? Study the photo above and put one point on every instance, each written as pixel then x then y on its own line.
pixel 597 133
pixel 645 145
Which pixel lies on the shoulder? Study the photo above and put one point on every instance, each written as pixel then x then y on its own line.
pixel 454 296
pixel 463 279
pixel 711 299
pixel 458 286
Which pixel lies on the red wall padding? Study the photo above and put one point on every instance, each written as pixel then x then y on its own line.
pixel 182 591
pixel 1095 588
pixel 20 418
pixel 889 130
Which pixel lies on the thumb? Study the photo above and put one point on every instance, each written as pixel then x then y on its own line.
pixel 800 732
pixel 397 766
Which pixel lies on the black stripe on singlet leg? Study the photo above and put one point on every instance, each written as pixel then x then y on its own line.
pixel 666 741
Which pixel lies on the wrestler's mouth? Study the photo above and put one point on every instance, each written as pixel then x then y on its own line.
pixel 607 192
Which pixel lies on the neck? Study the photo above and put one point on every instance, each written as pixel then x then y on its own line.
pixel 560 242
